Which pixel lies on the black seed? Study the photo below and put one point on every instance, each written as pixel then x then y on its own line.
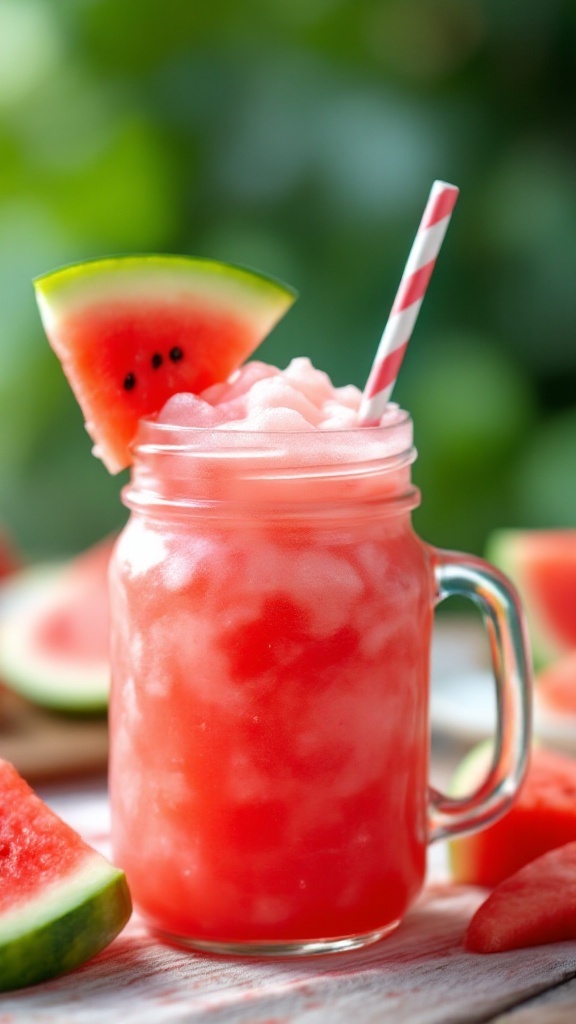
pixel 129 381
pixel 176 354
pixel 156 360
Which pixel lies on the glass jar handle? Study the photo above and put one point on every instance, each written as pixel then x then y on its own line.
pixel 504 620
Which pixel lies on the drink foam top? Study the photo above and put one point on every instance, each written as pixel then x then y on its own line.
pixel 283 435
pixel 261 397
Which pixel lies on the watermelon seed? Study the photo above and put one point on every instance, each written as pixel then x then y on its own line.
pixel 129 381
pixel 156 360
pixel 176 354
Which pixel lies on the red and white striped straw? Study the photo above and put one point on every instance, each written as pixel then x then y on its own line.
pixel 417 274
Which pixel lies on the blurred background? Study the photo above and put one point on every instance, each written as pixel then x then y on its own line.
pixel 301 137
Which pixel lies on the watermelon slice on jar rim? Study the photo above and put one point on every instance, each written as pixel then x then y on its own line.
pixel 132 331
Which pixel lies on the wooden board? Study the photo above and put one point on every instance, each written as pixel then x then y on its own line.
pixel 46 745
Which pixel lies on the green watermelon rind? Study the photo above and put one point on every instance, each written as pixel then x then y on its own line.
pixel 472 769
pixel 502 550
pixel 65 925
pixel 467 777
pixel 61 685
pixel 205 277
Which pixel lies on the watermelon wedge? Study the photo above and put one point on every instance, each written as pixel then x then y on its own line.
pixel 535 906
pixel 132 331
pixel 542 818
pixel 61 902
pixel 54 633
pixel 542 564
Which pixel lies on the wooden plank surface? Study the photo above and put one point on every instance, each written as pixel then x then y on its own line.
pixel 556 1006
pixel 419 975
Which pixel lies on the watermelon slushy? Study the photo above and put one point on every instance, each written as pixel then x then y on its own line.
pixel 272 613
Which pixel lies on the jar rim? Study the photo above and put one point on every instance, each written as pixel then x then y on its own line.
pixel 185 466
pixel 392 438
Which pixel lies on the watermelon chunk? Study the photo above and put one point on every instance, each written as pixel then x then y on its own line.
pixel 556 685
pixel 542 564
pixel 543 817
pixel 54 633
pixel 61 902
pixel 132 331
pixel 535 906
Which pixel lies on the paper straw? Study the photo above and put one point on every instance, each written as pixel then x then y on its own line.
pixel 415 279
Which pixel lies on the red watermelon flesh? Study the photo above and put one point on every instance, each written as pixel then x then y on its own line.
pixel 556 685
pixel 542 564
pixel 61 902
pixel 78 625
pixel 36 846
pixel 549 572
pixel 535 906
pixel 542 818
pixel 132 331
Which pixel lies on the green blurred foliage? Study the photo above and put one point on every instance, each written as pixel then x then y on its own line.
pixel 301 137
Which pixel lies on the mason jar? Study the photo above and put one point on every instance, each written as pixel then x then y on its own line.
pixel 272 613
